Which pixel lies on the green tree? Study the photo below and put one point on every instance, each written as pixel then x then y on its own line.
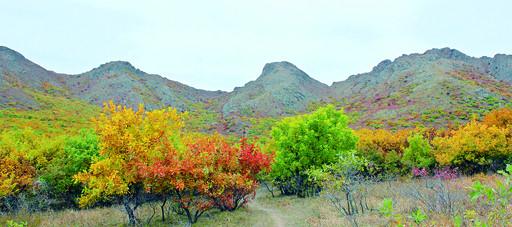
pixel 418 154
pixel 77 155
pixel 309 142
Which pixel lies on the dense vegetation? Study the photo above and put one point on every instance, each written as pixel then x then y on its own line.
pixel 133 157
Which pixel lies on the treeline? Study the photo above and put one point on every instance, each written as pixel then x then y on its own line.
pixel 310 146
pixel 478 146
pixel 131 157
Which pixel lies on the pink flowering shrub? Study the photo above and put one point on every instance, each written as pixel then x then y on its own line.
pixel 419 172
pixel 446 173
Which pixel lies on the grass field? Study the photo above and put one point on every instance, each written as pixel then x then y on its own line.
pixel 266 210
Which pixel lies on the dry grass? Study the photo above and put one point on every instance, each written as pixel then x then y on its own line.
pixel 268 211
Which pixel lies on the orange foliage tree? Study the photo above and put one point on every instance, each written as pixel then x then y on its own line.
pixel 16 174
pixel 209 172
pixel 145 153
pixel 501 118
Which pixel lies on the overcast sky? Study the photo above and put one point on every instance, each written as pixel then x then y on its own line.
pixel 222 44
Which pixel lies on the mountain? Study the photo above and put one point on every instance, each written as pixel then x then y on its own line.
pixel 436 87
pixel 282 88
pixel 124 84
pixel 118 81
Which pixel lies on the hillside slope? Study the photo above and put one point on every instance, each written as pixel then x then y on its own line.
pixel 19 78
pixel 436 87
pixel 124 84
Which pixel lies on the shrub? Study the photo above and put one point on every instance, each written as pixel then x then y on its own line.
pixel 345 187
pixel 418 216
pixel 383 149
pixel 17 171
pixel 418 153
pixel 495 202
pixel 11 223
pixel 501 118
pixel 475 147
pixel 76 156
pixel 388 211
pixel 309 142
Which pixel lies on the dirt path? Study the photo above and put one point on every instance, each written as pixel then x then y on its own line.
pixel 273 214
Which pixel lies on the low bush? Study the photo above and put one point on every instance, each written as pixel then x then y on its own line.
pixel 418 153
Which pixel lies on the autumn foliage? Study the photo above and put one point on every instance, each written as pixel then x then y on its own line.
pixel 501 118
pixel 478 146
pixel 146 152
pixel 383 149
pixel 208 173
pixel 133 156
pixel 16 174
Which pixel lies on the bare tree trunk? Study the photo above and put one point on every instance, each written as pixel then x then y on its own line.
pixel 129 211
pixel 162 208
pixel 268 188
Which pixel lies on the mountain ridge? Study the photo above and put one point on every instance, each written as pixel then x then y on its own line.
pixel 413 86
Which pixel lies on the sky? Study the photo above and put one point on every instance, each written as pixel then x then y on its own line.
pixel 217 45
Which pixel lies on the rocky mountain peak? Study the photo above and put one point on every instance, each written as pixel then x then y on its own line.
pixel 278 70
pixel 446 53
pixel 382 65
pixel 116 65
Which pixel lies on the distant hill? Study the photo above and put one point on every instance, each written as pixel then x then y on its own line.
pixel 19 78
pixel 118 81
pixel 437 87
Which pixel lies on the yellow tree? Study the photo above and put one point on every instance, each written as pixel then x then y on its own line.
pixel 127 139
pixel 474 147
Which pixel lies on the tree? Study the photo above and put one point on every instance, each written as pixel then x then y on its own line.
pixel 208 173
pixel 418 153
pixel 344 185
pixel 242 178
pixel 16 174
pixel 127 137
pixel 308 142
